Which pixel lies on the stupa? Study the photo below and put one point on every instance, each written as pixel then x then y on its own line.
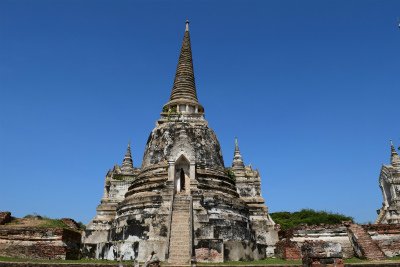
pixel 389 182
pixel 182 202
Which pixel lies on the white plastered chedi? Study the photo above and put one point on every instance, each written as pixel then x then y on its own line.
pixel 389 182
pixel 181 203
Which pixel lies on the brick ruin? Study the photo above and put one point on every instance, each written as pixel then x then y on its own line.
pixel 5 217
pixel 321 254
pixel 39 243
pixel 372 242
pixel 182 202
pixel 29 242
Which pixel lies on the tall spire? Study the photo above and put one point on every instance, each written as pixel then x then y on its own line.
pixel 184 85
pixel 183 104
pixel 237 158
pixel 127 163
pixel 394 157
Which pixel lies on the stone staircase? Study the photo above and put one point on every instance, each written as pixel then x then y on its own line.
pixel 368 247
pixel 179 244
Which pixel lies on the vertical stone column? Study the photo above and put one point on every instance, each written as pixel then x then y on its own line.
pixel 193 181
pixel 171 171
pixel 192 170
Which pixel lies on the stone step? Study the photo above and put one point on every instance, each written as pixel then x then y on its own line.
pixel 180 232
pixel 182 255
pixel 180 220
pixel 182 201
pixel 178 250
pixel 178 243
pixel 179 254
pixel 180 215
pixel 179 240
pixel 178 258
pixel 180 211
pixel 181 226
pixel 178 261
pixel 180 246
pixel 180 208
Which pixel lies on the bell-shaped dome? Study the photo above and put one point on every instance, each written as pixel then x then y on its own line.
pixel 199 142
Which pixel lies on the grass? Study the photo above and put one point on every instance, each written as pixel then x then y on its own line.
pixel 232 263
pixel 44 223
pixel 355 260
pixel 62 261
pixel 52 223
pixel 260 262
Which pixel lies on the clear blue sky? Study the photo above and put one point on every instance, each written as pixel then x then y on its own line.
pixel 310 88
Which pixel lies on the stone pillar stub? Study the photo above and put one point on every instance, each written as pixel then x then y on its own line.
pixel 171 170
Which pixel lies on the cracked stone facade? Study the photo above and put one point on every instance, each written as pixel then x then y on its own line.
pixel 182 179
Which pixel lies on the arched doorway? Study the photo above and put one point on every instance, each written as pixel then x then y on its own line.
pixel 182 176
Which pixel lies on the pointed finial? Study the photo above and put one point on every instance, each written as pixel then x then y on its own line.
pixel 187 26
pixel 394 157
pixel 127 163
pixel 237 163
pixel 392 147
pixel 236 145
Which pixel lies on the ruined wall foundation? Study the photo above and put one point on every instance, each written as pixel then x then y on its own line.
pixel 39 243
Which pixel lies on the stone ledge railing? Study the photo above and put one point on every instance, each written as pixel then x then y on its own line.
pixel 169 228
pixel 191 231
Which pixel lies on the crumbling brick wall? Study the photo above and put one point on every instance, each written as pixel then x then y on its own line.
pixel 387 237
pixel 321 254
pixel 39 243
pixel 5 217
pixel 71 223
pixel 336 233
pixel 287 249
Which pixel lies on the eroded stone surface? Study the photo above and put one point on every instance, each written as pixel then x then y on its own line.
pixel 181 202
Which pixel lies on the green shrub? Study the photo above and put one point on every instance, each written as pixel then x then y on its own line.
pixel 81 225
pixel 308 216
pixel 231 174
